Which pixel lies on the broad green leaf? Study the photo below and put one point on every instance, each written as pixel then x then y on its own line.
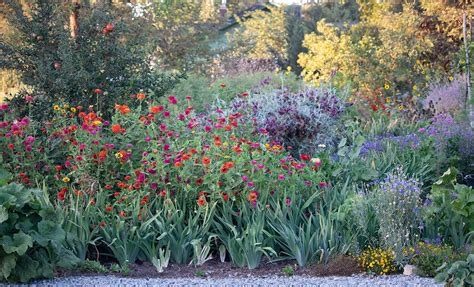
pixel 5 177
pixel 19 243
pixel 7 264
pixel 26 269
pixel 50 230
pixel 3 214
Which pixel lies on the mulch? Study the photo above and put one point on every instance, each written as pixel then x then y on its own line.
pixel 339 266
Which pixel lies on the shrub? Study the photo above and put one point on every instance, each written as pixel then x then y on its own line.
pixel 428 257
pixel 30 236
pixel 377 261
pixel 303 122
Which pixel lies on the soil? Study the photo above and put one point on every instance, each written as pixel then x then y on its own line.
pixel 340 266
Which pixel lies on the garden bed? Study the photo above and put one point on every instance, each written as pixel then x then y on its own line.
pixel 340 266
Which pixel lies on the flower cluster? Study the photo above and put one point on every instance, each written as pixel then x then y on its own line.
pixel 377 261
pixel 156 152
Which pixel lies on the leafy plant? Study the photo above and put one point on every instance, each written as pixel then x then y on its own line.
pixel 245 242
pixel 288 270
pixel 92 266
pixel 428 257
pixel 396 206
pixel 458 274
pixel 451 210
pixel 31 236
pixel 201 253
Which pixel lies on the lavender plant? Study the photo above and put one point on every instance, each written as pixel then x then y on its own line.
pixel 395 201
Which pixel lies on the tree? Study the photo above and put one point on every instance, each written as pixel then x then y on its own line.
pixel 108 51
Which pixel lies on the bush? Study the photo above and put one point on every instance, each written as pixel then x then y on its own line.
pixel 30 236
pixel 428 257
pixel 305 122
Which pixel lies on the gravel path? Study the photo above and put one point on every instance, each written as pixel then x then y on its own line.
pixel 396 280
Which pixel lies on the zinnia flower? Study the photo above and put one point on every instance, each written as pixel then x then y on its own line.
pixel 252 196
pixel 116 128
pixel 206 160
pixel 201 201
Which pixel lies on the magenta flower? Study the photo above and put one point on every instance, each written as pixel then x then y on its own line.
pixel 281 177
pixel 250 184
pixel 245 178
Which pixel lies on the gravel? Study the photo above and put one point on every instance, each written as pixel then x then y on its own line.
pixel 357 280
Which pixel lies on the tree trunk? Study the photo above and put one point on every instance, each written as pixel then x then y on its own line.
pixel 73 18
pixel 468 73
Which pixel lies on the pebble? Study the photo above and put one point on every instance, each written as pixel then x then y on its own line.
pixel 274 281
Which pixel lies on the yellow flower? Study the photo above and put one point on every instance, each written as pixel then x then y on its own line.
pixel 65 106
pixel 66 179
pixel 400 107
pixel 96 122
pixel 118 155
pixel 386 86
pixel 56 107
pixel 388 100
pixel 225 143
pixel 451 78
pixel 73 110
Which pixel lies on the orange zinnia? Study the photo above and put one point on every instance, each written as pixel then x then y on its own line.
pixel 123 109
pixel 116 128
pixel 252 196
pixel 178 164
pixel 156 109
pixel 141 96
pixel 206 160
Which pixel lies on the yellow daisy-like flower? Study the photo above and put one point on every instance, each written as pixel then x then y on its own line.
pixel 400 107
pixel 66 179
pixel 451 78
pixel 388 100
pixel 386 86
pixel 96 122
pixel 73 110
pixel 225 143
pixel 56 107
pixel 118 155
pixel 65 106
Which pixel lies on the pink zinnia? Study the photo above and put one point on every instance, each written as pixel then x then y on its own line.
pixel 172 100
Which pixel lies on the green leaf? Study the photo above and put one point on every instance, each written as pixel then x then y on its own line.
pixel 7 263
pixel 19 243
pixel 5 177
pixel 3 214
pixel 51 230
pixel 26 269
pixel 342 143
